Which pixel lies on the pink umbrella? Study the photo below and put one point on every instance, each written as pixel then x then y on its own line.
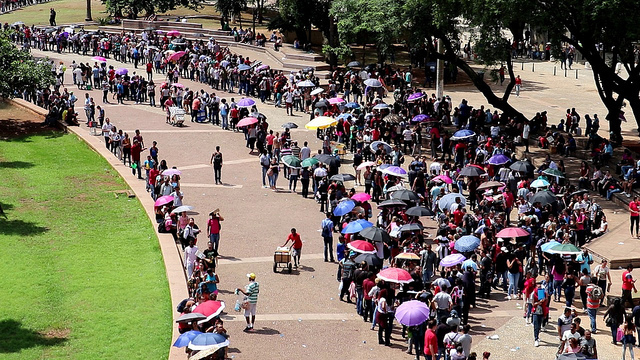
pixel 163 200
pixel 99 59
pixel 395 275
pixel 174 33
pixel 171 172
pixel 362 246
pixel 210 309
pixel 365 165
pixel 247 121
pixel 336 100
pixel 178 85
pixel 443 178
pixel 176 56
pixel 361 197
pixel 512 232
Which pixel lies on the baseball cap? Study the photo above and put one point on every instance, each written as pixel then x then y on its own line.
pixel 251 276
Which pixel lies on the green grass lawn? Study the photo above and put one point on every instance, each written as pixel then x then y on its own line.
pixel 82 273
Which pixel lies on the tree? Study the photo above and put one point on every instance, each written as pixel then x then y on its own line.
pixel 20 71
pixel 132 8
pixel 231 8
pixel 300 16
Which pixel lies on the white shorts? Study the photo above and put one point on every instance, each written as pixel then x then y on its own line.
pixel 251 311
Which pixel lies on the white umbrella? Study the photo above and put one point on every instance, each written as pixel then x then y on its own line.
pixel 317 91
pixel 381 106
pixel 182 208
pixel 372 83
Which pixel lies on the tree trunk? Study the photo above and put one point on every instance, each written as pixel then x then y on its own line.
pixel 88 18
pixel 260 11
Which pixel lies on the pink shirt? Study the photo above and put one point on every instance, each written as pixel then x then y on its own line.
pixel 214 224
pixel 183 221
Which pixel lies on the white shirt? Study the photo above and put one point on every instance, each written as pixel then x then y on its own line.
pixel 442 300
pixel 190 254
pixel 305 153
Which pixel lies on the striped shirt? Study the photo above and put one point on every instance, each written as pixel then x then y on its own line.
pixel 252 292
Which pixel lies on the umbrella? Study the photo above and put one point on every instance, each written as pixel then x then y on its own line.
pixel 321 122
pixel 419 118
pixel 499 159
pixel 374 146
pixel 407 256
pixel 322 103
pixel 365 165
pixel 356 226
pixel 354 64
pixel 178 85
pixel 344 207
pixel 177 55
pixel 361 197
pixel 469 264
pixel 548 245
pixel 381 106
pixel 544 198
pixel 450 199
pixel 392 203
pixel 210 309
pixel 375 234
pixel 182 208
pixel 203 354
pixel 290 125
pixel 361 246
pixel 50 30
pixel 307 83
pixel 490 185
pixel 553 172
pixel 17 23
pixel 565 249
pixel 247 121
pixel 343 177
pixel 336 100
pixel 415 96
pixel 512 232
pixel 471 171
pixel 171 172
pixel 394 171
pixel 370 259
pixel 291 161
pixel 452 260
pixel 574 356
pixel 326 159
pixel 309 162
pixel 190 317
pixel 395 188
pixel 579 192
pixel 412 313
pixel 463 134
pixel 174 33
pixel 317 91
pixel 149 28
pixel 539 183
pixel 373 83
pixel 419 211
pixel 410 227
pixel 522 166
pixel 179 41
pixel 243 67
pixel 206 340
pixel 345 116
pixel 352 105
pixel 405 195
pixel 263 67
pixel 395 275
pixel 99 59
pixel 467 243
pixel 163 200
pixel 185 338
pixel 443 178
pixel 122 71
pixel 245 103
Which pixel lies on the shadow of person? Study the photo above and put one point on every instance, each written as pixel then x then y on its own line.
pixel 265 331
pixel 14 337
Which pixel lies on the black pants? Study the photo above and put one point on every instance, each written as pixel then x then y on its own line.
pixel 328 248
pixel 384 325
pixel 217 171
pixel 346 282
pixel 626 296
pixel 368 310
pixel 634 219
pixel 305 187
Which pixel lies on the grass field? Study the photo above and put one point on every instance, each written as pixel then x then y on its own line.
pixel 82 272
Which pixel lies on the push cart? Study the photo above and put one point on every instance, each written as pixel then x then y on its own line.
pixel 176 116
pixel 282 259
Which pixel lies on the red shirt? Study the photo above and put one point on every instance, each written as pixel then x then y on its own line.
pixel 430 339
pixel 297 243
pixel 153 173
pixel 234 113
pixel 457 217
pixel 367 285
pixel 633 208
pixel 627 280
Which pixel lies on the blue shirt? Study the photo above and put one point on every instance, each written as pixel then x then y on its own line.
pixel 340 251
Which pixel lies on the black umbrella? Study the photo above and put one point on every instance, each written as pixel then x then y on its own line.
pixel 471 171
pixel 354 64
pixel 392 203
pixel 522 166
pixel 179 41
pixel 289 125
pixel 262 116
pixel 370 259
pixel 322 103
pixel 411 227
pixel 579 192
pixel 419 211
pixel 544 198
pixel 343 177
pixel 50 30
pixel 405 195
pixel 375 234
pixel 190 317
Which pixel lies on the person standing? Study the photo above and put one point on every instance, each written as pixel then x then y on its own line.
pixel 136 149
pixel 539 301
pixel 594 296
pixel 634 216
pixel 601 275
pixel 216 160
pixel 629 339
pixel 251 291
pixel 327 236
pixel 296 246
pixel 190 257
pixel 213 229
pixel 628 284
pixel 431 341
pixel 52 17
pixel 526 130
pixel 518 85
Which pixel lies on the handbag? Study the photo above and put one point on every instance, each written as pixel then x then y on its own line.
pixel 619 334
pixel 270 172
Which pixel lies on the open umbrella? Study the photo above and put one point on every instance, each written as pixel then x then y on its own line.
pixel 247 121
pixel 376 144
pixel 182 208
pixel 373 83
pixel 328 160
pixel 263 67
pixel 375 234
pixel 171 172
pixel 99 59
pixel 344 207
pixel 365 165
pixel 177 55
pixel 290 125
pixel 522 166
pixel 553 172
pixel 394 171
pixel 405 195
pixel 548 245
pixel 499 159
pixel 306 83
pixel 178 85
pixel 205 340
pixel 381 106
pixel 370 259
pixel 173 33
pixel 512 232
pixel 490 185
pixel 17 23
pixel 352 105
pixel 450 199
pixel 539 183
pixel 361 246
pixel 392 203
pixel 246 103
pixel 206 353
pixel 190 317
pixel 185 338
pixel 243 67
pixel 394 118
pixel 163 200
pixel 463 134
pixel 336 100
pixel 317 91
pixel 419 118
pixel 356 226
pixel 210 309
pixel 322 104
pixel 395 275
pixel 342 177
pixel 395 188
pixel 292 161
pixel 472 171
pixel 412 313
pixel 309 162
pixel 407 256
pixel 354 64
pixel 467 243
pixel 410 227
pixel 321 122
pixel 361 197
pixel 452 260
pixel 565 249
pixel 419 211
pixel 544 198
pixel 415 96
pixel 443 178
pixel 122 71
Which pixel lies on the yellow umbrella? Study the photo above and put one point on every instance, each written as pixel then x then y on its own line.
pixel 321 122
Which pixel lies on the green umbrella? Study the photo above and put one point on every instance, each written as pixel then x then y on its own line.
pixel 565 249
pixel 309 162
pixel 553 172
pixel 291 161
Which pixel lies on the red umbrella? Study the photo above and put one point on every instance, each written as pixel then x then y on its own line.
pixel 362 246
pixel 395 275
pixel 210 309
pixel 247 121
pixel 512 232
pixel 163 200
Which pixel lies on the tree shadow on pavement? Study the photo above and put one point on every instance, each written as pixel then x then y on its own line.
pixel 14 337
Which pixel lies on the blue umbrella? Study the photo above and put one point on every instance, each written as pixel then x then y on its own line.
pixel 352 105
pixel 540 183
pixel 344 207
pixel 184 339
pixel 344 116
pixel 499 159
pixel 467 243
pixel 449 199
pixel 243 67
pixel 548 245
pixel 356 226
pixel 469 263
pixel 374 146
pixel 206 340
pixel 463 134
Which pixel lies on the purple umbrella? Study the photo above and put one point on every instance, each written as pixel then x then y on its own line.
pixel 419 118
pixel 499 159
pixel 395 171
pixel 412 313
pixel 245 103
pixel 452 260
pixel 262 67
pixel 415 96
pixel 122 71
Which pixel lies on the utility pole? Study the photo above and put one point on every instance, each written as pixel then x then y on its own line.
pixel 440 72
pixel 88 18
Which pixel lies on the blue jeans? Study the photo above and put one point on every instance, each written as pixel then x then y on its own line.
pixel 293 180
pixel 273 179
pixel 556 289
pixel 264 175
pixel 611 192
pixel 513 284
pixel 225 121
pixel 592 317
pixel 360 296
pixel 215 240
pixel 569 293
pixel 537 325
pixel 426 276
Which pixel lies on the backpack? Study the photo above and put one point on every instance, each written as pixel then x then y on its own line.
pixel 596 293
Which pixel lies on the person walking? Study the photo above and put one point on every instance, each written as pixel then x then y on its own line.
pixel 52 17
pixel 296 246
pixel 594 296
pixel 614 317
pixel 251 291
pixel 628 339
pixel 327 237
pixel 539 301
pixel 601 275
pixel 628 284
pixel 213 229
pixel 518 85
pixel 634 216
pixel 216 161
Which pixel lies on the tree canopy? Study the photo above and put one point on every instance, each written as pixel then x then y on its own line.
pixel 20 71
pixel 133 8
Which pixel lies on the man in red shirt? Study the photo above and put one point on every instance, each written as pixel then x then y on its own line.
pixel 634 215
pixel 369 310
pixel 135 156
pixel 296 246
pixel 430 341
pixel 627 285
